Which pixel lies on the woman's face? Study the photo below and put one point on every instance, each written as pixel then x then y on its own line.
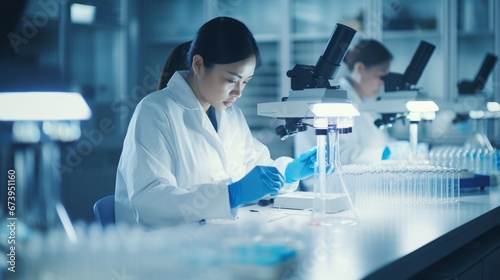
pixel 222 85
pixel 370 79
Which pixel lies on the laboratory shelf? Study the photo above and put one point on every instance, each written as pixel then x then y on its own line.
pixel 267 38
pixel 468 34
pixel 411 34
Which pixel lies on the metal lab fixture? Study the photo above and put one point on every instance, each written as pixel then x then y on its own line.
pixel 39 123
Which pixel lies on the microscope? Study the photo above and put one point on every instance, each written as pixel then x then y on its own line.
pixel 312 95
pixel 313 98
pixel 477 85
pixel 402 100
pixel 472 104
pixel 477 157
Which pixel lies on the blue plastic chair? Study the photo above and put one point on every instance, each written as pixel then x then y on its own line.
pixel 104 210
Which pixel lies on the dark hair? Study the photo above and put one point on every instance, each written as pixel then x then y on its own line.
pixel 176 61
pixel 223 40
pixel 369 52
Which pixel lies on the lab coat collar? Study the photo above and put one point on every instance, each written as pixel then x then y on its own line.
pixel 189 101
pixel 185 97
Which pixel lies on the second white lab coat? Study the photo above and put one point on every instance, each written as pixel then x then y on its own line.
pixel 367 142
pixel 175 168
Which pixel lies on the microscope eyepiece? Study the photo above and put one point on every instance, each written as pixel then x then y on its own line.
pixel 308 76
pixel 338 44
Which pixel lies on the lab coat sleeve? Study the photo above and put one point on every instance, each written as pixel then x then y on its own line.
pixel 147 192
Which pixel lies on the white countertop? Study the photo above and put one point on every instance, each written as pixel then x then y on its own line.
pixel 389 241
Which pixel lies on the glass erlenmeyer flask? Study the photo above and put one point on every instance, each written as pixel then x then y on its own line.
pixel 332 204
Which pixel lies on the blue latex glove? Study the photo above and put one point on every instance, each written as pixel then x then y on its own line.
pixel 259 182
pixel 301 167
pixel 398 150
pixel 386 153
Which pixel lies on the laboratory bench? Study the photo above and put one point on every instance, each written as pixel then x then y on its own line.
pixel 433 241
pixel 442 241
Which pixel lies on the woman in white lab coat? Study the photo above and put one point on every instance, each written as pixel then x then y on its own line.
pixel 367 63
pixel 189 154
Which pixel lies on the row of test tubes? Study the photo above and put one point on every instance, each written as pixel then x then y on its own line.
pixel 401 184
pixel 477 160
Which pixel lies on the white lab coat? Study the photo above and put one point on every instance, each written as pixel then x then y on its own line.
pixel 175 168
pixel 365 144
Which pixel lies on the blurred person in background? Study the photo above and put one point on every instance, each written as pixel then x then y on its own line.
pixel 368 61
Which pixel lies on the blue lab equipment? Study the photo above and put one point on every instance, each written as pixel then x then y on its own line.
pixel 401 150
pixel 259 182
pixel 104 210
pixel 301 167
pixel 386 153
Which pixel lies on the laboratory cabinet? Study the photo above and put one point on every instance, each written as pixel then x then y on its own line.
pixel 491 265
pixel 464 32
pixel 478 259
pixel 83 42
pixel 83 39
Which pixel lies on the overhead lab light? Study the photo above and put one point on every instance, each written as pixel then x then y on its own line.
pixel 477 114
pixel 334 110
pixel 43 106
pixel 493 106
pixel 421 106
pixel 84 14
